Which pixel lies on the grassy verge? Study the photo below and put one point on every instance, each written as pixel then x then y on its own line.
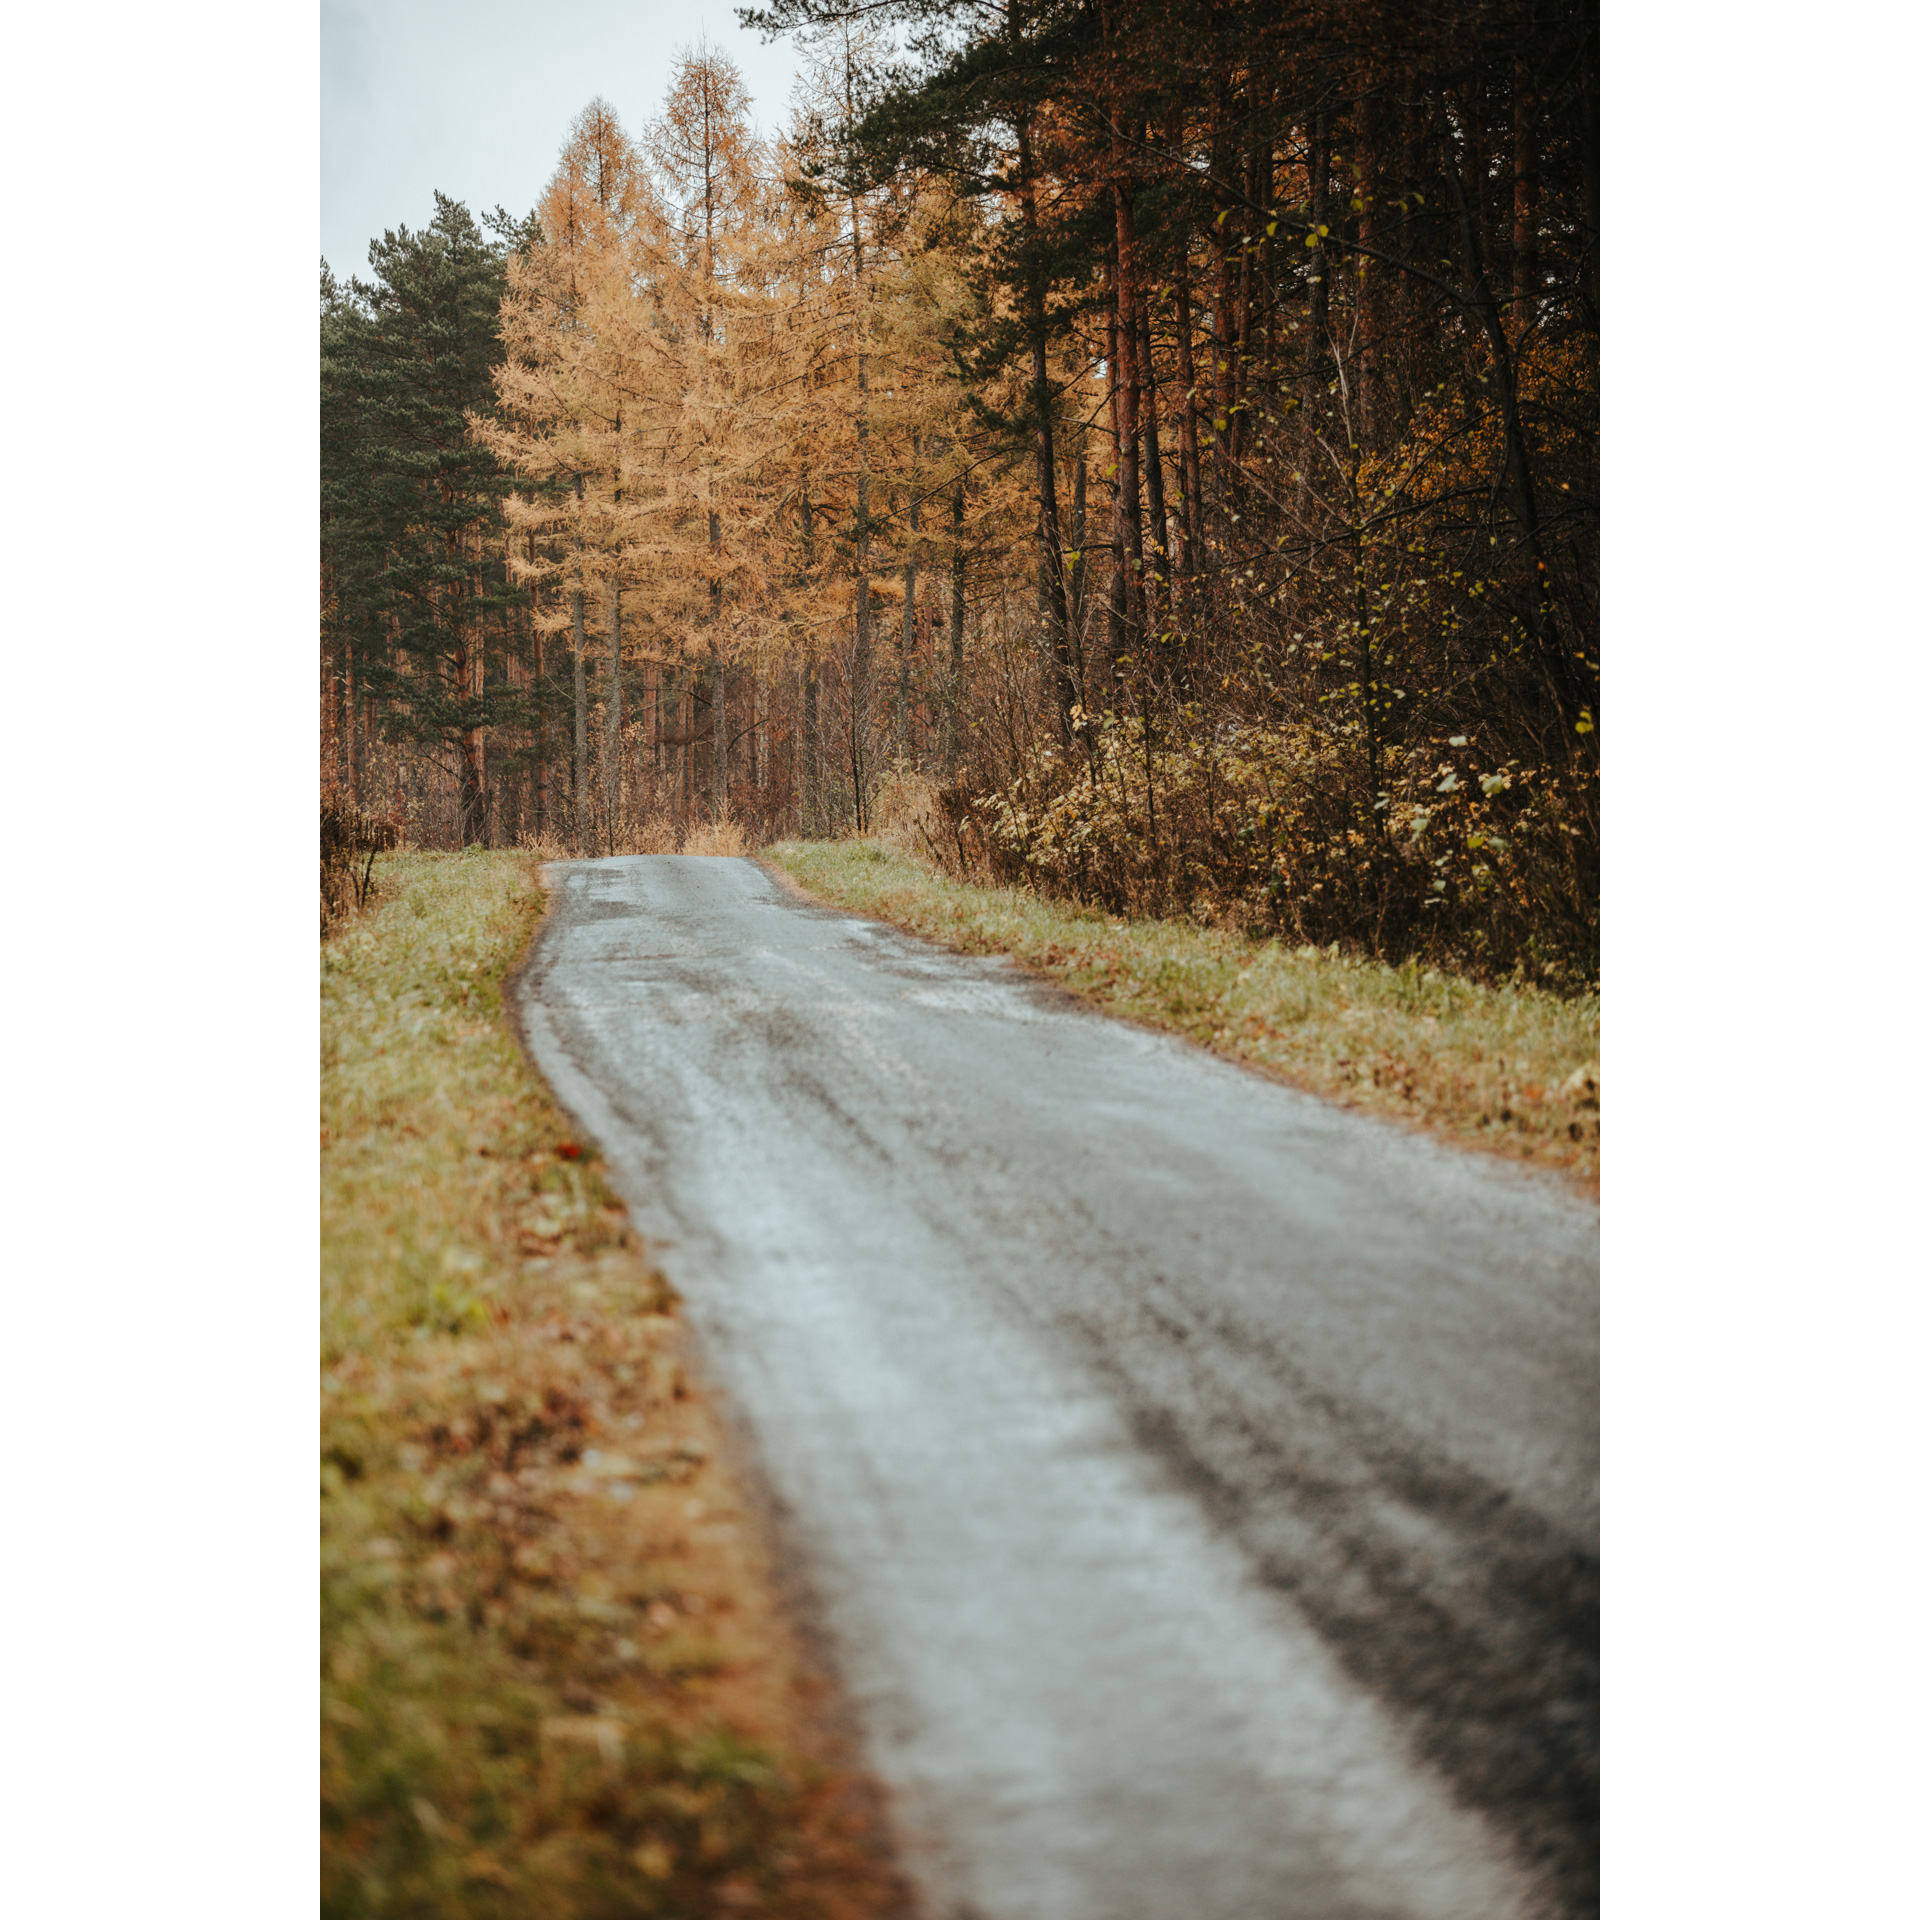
pixel 1511 1069
pixel 556 1682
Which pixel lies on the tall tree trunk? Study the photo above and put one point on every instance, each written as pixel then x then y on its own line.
pixel 1366 283
pixel 1240 423
pixel 343 715
pixel 1475 123
pixel 1126 305
pixel 485 813
pixel 539 712
pixel 1319 358
pixel 1192 522
pixel 359 707
pixel 956 628
pixel 1150 450
pixel 613 764
pixel 901 743
pixel 753 733
pixel 610 738
pixel 1077 562
pixel 683 740
pixel 857 686
pixel 722 795
pixel 1590 162
pixel 809 748
pixel 1122 600
pixel 581 811
pixel 1141 607
pixel 722 786
pixel 1221 166
pixel 1034 302
pixel 857 694
pixel 1526 189
pixel 1570 681
pixel 470 777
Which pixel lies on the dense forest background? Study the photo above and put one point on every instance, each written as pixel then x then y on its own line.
pixel 1147 451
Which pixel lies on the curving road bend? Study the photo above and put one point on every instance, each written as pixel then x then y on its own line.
pixel 1197 1482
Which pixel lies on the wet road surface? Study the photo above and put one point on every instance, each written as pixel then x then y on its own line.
pixel 1197 1483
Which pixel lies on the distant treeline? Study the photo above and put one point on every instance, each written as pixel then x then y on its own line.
pixel 1166 435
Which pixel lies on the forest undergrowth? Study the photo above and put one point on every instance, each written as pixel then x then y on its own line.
pixel 1513 1068
pixel 556 1680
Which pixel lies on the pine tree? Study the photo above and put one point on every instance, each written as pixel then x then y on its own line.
pixel 415 500
pixel 559 424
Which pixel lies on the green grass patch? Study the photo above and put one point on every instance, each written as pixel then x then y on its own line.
pixel 555 1680
pixel 1510 1068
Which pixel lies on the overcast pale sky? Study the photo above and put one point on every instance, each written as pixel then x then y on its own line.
pixel 475 96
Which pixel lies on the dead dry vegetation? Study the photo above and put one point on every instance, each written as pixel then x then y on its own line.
pixel 556 1678
pixel 1513 1068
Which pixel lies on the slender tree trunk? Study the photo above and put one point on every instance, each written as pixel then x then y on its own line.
pixel 1526 186
pixel 1122 597
pixel 470 788
pixel 1150 449
pixel 753 733
pixel 683 737
pixel 1319 359
pixel 722 787
pixel 359 730
pixel 1192 519
pixel 857 686
pixel 581 812
pixel 1264 196
pixel 857 690
pixel 809 748
pixel 1570 682
pixel 1126 394
pixel 1227 485
pixel 809 751
pixel 610 738
pixel 1475 123
pixel 722 769
pixel 614 764
pixel 343 717
pixel 1590 162
pixel 484 790
pixel 956 629
pixel 1366 281
pixel 1034 297
pixel 539 718
pixel 1126 304
pixel 1239 422
pixel 1077 564
pixel 901 744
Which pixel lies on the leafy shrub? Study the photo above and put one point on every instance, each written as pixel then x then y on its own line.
pixel 1491 868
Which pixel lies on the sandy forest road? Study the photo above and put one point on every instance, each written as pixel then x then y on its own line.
pixel 1198 1482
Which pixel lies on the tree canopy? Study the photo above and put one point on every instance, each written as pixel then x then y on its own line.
pixel 1164 439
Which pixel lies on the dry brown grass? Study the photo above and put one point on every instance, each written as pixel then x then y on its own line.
pixel 655 833
pixel 724 838
pixel 556 1677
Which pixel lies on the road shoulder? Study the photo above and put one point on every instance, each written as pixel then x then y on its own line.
pixel 1510 1071
pixel 556 1653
